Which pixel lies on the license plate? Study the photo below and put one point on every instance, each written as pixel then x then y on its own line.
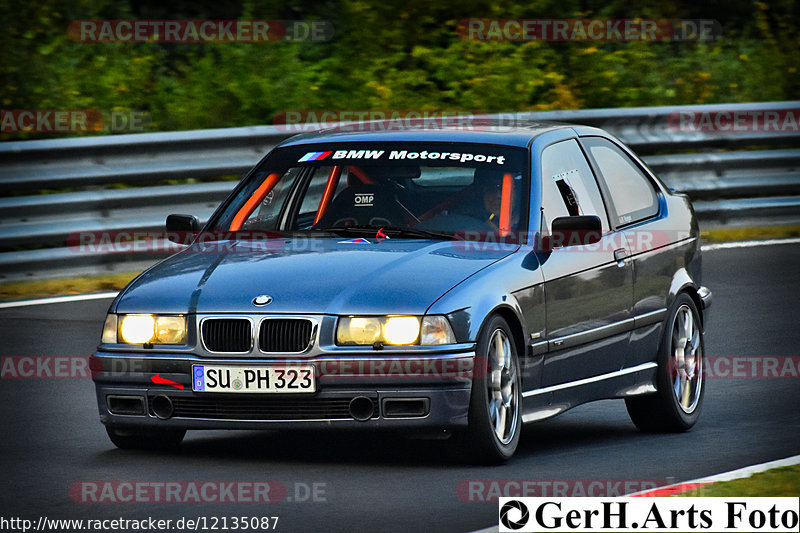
pixel 258 379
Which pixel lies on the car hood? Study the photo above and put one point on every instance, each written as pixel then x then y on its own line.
pixel 314 276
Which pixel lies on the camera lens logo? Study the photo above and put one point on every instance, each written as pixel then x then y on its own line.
pixel 518 506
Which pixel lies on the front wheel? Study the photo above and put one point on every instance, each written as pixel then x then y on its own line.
pixel 495 420
pixel 679 382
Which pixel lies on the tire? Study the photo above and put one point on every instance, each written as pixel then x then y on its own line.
pixel 128 438
pixel 679 382
pixel 495 418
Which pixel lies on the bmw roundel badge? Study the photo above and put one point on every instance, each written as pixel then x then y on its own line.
pixel 264 299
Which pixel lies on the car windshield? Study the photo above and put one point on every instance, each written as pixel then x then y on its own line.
pixel 409 190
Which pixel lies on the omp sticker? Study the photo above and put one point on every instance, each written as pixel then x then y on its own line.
pixel 360 240
pixel 363 199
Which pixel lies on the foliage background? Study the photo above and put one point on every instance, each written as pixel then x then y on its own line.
pixel 389 55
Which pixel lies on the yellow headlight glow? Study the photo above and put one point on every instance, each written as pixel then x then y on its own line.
pixel 144 329
pixel 366 330
pixel 359 330
pixel 170 330
pixel 401 329
pixel 137 329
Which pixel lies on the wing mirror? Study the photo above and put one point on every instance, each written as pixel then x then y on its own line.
pixel 178 226
pixel 573 231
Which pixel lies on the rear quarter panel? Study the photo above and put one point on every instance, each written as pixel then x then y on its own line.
pixel 667 261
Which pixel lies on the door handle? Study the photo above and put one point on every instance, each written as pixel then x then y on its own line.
pixel 620 255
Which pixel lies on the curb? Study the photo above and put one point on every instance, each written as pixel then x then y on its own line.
pixel 680 488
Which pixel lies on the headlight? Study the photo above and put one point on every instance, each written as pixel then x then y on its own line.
pixel 401 329
pixel 137 329
pixel 145 329
pixel 394 330
pixel 170 330
pixel 359 330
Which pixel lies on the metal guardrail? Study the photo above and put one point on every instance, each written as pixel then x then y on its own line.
pixel 726 186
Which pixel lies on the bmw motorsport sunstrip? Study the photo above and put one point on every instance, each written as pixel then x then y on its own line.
pixel 425 279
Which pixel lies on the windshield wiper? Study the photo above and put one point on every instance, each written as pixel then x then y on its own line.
pixel 390 231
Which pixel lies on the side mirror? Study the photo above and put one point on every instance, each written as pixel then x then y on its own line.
pixel 179 225
pixel 573 231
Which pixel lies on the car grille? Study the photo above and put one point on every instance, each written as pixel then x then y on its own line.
pixel 229 335
pixel 258 408
pixel 284 335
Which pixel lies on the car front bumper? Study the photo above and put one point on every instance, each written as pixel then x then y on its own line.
pixel 406 391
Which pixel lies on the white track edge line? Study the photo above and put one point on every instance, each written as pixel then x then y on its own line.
pixel 725 476
pixel 740 473
pixel 748 244
pixel 59 299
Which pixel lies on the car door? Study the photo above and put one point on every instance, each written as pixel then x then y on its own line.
pixel 588 288
pixel 635 208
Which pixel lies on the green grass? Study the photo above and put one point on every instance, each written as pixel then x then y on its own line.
pixel 776 482
pixel 749 234
pixel 25 290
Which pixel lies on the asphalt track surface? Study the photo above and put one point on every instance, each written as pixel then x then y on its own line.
pixel 52 438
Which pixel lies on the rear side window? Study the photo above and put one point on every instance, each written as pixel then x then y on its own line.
pixel 631 192
pixel 568 184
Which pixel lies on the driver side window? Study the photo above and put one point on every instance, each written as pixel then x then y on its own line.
pixel 265 215
pixel 568 184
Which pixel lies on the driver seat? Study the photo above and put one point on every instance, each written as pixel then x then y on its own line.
pixel 364 203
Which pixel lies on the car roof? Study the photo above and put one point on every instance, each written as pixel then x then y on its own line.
pixel 511 132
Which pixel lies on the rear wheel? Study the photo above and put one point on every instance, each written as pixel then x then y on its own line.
pixel 129 438
pixel 495 421
pixel 676 404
